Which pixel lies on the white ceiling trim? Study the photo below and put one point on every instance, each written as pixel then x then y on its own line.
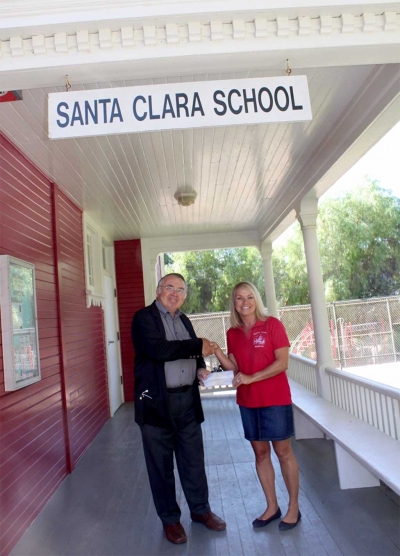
pixel 173 49
pixel 83 41
pixel 200 242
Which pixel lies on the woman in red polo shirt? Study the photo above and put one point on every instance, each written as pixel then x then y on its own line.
pixel 258 352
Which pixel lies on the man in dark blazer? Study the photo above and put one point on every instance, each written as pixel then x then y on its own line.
pixel 168 366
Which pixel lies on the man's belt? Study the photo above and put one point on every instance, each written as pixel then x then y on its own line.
pixel 179 389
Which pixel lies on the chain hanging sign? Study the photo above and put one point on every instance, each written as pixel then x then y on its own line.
pixel 178 106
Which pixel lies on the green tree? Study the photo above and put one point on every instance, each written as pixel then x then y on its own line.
pixel 290 271
pixel 359 235
pixel 211 275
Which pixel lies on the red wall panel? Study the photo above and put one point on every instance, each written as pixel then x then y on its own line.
pixel 44 423
pixel 26 198
pixel 130 290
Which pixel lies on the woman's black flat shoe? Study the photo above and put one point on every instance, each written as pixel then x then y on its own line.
pixel 263 522
pixel 284 526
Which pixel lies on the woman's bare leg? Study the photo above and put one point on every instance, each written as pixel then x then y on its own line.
pixel 290 472
pixel 266 474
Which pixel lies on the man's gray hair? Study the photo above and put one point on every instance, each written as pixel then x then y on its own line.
pixel 171 274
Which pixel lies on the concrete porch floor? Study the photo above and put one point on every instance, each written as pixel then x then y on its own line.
pixel 105 509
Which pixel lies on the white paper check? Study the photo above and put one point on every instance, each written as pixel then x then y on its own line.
pixel 223 378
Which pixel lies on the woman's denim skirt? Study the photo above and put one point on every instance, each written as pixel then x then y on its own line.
pixel 267 423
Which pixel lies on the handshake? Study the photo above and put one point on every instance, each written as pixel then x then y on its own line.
pixel 209 348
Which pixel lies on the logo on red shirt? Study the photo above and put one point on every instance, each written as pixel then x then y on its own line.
pixel 259 339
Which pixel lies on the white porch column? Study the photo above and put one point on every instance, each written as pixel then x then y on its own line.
pixel 266 255
pixel 162 264
pixel 149 261
pixel 308 220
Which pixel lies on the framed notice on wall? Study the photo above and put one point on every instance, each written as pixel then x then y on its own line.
pixel 19 323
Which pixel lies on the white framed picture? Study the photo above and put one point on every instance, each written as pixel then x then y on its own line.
pixel 19 323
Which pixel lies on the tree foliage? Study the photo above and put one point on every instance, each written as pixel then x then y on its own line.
pixel 290 271
pixel 359 238
pixel 359 235
pixel 211 275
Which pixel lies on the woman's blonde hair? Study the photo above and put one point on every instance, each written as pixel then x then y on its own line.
pixel 236 319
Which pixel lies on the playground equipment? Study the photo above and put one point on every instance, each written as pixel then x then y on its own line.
pixel 352 344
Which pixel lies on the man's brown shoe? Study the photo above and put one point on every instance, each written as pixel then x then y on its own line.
pixel 175 533
pixel 210 520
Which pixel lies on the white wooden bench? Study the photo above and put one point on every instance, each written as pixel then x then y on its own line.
pixel 364 454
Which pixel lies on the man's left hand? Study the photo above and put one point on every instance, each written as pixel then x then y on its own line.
pixel 202 374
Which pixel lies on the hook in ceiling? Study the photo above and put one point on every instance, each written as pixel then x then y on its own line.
pixel 67 84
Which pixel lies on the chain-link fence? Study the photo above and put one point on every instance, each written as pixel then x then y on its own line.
pixel 363 332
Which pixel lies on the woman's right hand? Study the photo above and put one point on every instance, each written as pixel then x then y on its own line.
pixel 227 363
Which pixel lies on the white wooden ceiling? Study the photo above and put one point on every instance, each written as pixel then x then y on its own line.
pixel 241 174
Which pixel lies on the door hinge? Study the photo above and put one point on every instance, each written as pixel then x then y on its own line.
pixel 118 336
pixel 115 292
pixel 121 379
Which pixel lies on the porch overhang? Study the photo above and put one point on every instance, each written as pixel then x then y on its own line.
pixel 247 178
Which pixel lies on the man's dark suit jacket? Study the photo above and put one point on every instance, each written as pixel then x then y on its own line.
pixel 152 350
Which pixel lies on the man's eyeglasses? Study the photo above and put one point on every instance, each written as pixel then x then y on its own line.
pixel 171 289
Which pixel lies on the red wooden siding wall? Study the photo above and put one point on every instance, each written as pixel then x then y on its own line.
pixel 82 334
pixel 129 277
pixel 31 419
pixel 35 435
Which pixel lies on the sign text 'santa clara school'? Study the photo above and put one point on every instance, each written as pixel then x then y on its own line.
pixel 178 106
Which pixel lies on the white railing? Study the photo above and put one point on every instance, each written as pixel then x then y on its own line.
pixel 303 371
pixel 374 403
pixel 231 390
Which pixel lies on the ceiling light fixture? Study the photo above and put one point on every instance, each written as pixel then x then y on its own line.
pixel 185 198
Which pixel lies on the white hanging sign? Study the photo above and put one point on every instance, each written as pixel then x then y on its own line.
pixel 178 106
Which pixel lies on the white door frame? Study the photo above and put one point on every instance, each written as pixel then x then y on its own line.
pixel 111 274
